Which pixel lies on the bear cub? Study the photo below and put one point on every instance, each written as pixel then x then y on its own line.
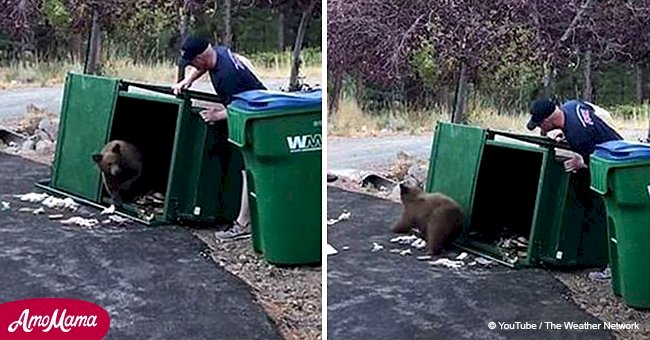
pixel 120 163
pixel 438 217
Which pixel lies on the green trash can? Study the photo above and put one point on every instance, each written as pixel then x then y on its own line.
pixel 190 163
pixel 625 186
pixel 279 135
pixel 563 223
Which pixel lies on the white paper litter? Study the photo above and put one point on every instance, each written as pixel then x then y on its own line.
pixel 345 215
pixel 118 219
pixel 346 247
pixel 330 250
pixel 25 209
pixel 447 263
pixel 5 206
pixel 483 261
pixel 108 210
pixel 55 217
pixel 38 211
pixel 424 257
pixel 405 252
pixel 395 250
pixel 56 203
pixel 462 256
pixel 32 197
pixel 84 222
pixel 419 243
pixel 376 247
pixel 407 239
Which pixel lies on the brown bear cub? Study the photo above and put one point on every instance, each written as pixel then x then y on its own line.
pixel 120 163
pixel 438 217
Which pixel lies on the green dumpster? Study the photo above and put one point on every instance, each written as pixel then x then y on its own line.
pixel 187 161
pixel 521 207
pixel 624 183
pixel 279 135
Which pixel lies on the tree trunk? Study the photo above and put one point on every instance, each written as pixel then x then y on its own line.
pixel 459 108
pixel 588 89
pixel 442 98
pixel 75 46
pixel 281 33
pixel 548 80
pixel 294 84
pixel 95 44
pixel 335 95
pixel 227 22
pixel 184 32
pixel 638 68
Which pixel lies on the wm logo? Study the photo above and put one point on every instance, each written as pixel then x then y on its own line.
pixel 304 143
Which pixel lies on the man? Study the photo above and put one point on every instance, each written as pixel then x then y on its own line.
pixel 583 129
pixel 230 74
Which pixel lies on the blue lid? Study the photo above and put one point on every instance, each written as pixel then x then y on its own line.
pixel 265 100
pixel 621 150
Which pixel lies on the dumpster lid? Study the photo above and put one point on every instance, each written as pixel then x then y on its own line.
pixel 621 150
pixel 267 100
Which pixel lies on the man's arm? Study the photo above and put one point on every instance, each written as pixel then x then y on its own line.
pixel 190 78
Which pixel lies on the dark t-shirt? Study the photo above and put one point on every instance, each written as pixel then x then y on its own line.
pixel 230 76
pixel 583 129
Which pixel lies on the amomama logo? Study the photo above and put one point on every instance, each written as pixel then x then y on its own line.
pixel 53 318
pixel 304 143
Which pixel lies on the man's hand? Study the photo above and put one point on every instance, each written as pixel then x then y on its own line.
pixel 178 87
pixel 557 135
pixel 575 163
pixel 214 114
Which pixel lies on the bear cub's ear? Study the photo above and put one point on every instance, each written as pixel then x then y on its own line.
pixel 116 148
pixel 97 158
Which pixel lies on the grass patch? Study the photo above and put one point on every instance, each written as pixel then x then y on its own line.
pixel 41 73
pixel 352 121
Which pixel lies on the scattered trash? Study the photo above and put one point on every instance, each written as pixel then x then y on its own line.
pixel 38 211
pixel 419 243
pixel 462 256
pixel 424 258
pixel 108 210
pixel 473 263
pixel 407 239
pixel 118 219
pixel 483 261
pixel 447 263
pixel 5 206
pixel 107 221
pixel 376 247
pixel 330 250
pixel 395 250
pixel 345 215
pixel 346 247
pixel 25 209
pixel 84 222
pixel 405 252
pixel 55 217
pixel 56 203
pixel 600 276
pixel 33 197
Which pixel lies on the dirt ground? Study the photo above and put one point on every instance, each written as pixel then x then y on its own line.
pixel 290 296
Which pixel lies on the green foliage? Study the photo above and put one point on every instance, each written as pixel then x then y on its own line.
pixel 56 13
pixel 425 64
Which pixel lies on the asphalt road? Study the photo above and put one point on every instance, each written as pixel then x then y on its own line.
pixel 382 295
pixel 14 101
pixel 155 282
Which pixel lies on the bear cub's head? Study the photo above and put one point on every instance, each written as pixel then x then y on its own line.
pixel 110 161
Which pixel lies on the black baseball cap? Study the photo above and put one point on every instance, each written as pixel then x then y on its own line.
pixel 192 47
pixel 540 110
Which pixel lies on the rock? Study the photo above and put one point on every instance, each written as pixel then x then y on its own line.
pixel 44 145
pixel 418 172
pixel 28 145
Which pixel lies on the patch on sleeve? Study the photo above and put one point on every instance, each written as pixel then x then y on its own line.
pixel 584 114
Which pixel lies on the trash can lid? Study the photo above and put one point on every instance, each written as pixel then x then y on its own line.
pixel 266 100
pixel 621 150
